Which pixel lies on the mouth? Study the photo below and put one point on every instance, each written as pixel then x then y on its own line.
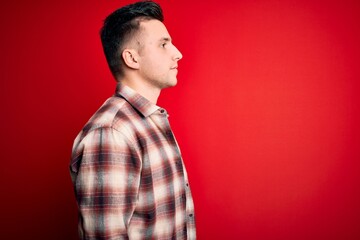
pixel 174 67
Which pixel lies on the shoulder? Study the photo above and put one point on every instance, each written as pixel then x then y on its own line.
pixel 116 114
pixel 111 128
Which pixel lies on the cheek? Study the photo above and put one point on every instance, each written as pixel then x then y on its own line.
pixel 156 63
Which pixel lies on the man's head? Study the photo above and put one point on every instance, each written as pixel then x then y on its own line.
pixel 121 27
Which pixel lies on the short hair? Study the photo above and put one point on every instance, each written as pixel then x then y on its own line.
pixel 120 26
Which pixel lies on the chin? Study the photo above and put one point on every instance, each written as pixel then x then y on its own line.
pixel 171 83
pixel 174 82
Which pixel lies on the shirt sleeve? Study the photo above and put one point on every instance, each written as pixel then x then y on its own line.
pixel 105 171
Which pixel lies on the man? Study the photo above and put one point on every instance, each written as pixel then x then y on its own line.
pixel 126 166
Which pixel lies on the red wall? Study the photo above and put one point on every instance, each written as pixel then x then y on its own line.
pixel 266 112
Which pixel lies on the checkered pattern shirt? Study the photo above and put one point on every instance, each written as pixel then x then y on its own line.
pixel 128 174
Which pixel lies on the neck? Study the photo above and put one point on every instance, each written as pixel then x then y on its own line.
pixel 146 90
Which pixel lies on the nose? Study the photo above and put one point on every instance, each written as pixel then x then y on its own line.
pixel 177 54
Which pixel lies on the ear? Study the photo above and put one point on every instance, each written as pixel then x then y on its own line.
pixel 130 57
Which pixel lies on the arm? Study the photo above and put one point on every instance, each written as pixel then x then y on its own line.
pixel 106 177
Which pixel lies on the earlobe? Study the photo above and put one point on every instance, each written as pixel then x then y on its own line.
pixel 130 58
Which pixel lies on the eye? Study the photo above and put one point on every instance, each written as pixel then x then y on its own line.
pixel 163 45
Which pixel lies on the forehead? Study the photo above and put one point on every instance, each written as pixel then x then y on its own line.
pixel 153 30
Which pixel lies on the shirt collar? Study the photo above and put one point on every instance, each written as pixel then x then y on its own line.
pixel 140 103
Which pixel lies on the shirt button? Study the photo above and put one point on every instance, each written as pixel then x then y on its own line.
pixel 187 184
pixel 191 215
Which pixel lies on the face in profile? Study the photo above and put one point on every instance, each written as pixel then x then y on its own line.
pixel 158 57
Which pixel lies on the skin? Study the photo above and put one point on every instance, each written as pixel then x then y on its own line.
pixel 151 60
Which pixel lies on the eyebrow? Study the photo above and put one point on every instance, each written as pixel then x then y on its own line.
pixel 166 39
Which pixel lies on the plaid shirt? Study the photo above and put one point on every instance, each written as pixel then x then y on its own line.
pixel 129 178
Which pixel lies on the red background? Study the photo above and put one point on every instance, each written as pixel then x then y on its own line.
pixel 266 112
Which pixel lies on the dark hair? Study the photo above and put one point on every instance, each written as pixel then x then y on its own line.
pixel 120 26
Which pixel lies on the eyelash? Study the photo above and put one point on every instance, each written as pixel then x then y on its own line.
pixel 163 45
